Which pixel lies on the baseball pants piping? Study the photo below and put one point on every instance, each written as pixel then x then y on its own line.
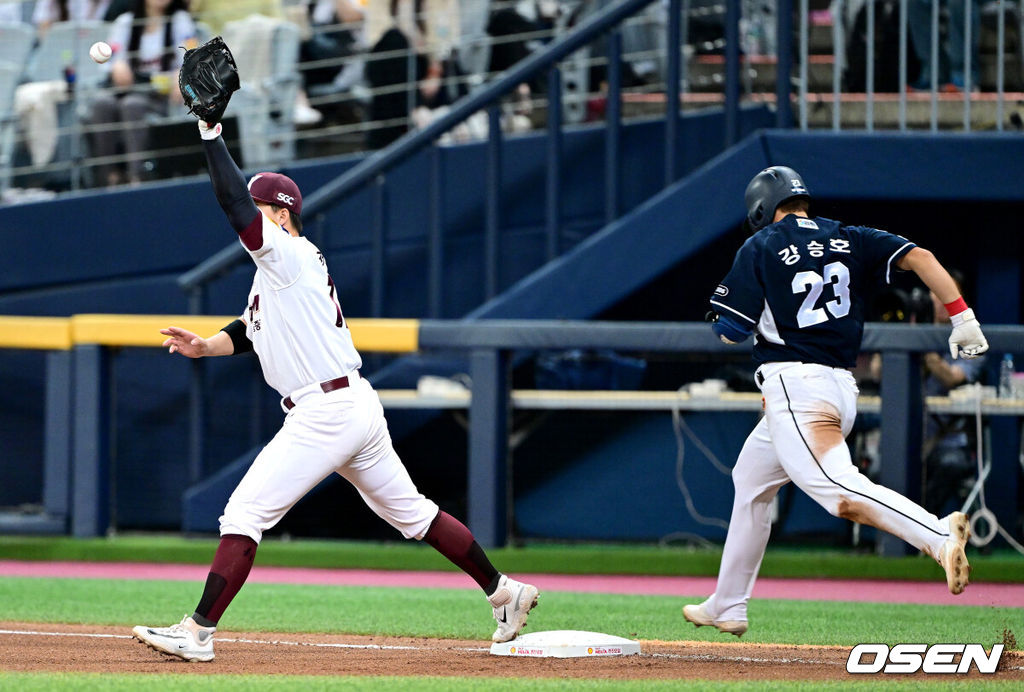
pixel 809 410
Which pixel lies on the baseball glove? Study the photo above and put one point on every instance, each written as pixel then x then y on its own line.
pixel 207 78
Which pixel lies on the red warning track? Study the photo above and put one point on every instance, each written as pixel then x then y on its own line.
pixel 877 591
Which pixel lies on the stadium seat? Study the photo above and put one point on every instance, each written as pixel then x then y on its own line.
pixel 66 44
pixel 16 41
pixel 267 53
pixel 10 73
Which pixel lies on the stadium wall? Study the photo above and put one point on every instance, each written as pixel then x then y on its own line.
pixel 949 188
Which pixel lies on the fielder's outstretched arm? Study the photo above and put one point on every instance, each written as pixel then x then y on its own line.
pixel 229 341
pixel 228 182
pixel 193 346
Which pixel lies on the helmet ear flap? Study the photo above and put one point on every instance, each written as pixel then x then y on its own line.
pixel 756 216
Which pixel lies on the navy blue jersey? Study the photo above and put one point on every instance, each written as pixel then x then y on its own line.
pixel 801 284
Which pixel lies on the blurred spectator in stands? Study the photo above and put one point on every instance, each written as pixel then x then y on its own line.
pixel 885 46
pixel 216 13
pixel 641 40
pixel 334 31
pixel 412 43
pixel 516 31
pixel 952 57
pixel 118 7
pixel 49 11
pixel 948 449
pixel 144 74
pixel 11 13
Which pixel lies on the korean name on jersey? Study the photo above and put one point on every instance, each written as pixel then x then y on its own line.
pixel 801 284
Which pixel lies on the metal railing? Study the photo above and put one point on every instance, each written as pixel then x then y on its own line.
pixel 968 96
pixel 79 425
pixel 486 99
pixel 815 75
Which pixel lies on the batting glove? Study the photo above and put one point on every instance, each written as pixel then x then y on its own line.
pixel 210 131
pixel 966 339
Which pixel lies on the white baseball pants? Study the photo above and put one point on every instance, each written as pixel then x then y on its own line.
pixel 343 432
pixel 809 410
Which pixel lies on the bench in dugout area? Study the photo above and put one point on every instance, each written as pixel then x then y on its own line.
pixel 77 422
pixel 618 400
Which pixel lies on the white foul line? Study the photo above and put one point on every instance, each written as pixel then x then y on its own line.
pixel 69 634
pixel 274 642
pixel 387 647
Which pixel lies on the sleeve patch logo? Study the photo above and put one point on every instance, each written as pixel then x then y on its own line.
pixel 806 223
pixel 722 291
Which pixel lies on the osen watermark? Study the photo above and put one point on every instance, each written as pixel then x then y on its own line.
pixel 943 659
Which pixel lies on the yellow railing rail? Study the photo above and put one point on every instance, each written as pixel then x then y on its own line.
pixel 61 333
pixel 51 333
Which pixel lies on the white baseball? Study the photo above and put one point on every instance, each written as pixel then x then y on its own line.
pixel 100 52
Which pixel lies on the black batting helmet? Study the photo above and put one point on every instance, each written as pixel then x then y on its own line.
pixel 767 190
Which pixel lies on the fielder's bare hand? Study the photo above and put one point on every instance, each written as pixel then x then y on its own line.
pixel 185 342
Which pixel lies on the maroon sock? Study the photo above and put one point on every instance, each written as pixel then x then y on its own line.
pixel 451 538
pixel 228 572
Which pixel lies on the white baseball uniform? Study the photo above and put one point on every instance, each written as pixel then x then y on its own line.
pixel 299 333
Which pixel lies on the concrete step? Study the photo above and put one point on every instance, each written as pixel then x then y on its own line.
pixel 707 73
pixel 853 109
pixel 950 110
pixel 819 38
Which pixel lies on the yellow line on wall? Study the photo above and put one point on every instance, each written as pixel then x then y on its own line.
pixel 376 335
pixel 61 333
pixel 52 333
pixel 385 335
pixel 139 330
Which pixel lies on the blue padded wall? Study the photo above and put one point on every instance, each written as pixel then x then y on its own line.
pixel 123 251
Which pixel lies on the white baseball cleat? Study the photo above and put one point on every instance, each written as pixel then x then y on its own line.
pixel 512 602
pixel 185 640
pixel 699 617
pixel 952 556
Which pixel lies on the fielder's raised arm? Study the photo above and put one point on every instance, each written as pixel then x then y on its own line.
pixel 207 78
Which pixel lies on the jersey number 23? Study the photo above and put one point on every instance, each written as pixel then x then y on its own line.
pixel 837 277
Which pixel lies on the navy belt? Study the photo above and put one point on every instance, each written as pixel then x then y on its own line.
pixel 758 377
pixel 328 386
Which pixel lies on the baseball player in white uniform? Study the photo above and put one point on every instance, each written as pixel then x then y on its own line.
pixel 334 421
pixel 798 284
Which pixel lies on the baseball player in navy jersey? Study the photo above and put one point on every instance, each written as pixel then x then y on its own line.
pixel 798 285
pixel 334 422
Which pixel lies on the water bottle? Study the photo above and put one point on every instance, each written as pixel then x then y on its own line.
pixel 69 72
pixel 70 78
pixel 1006 377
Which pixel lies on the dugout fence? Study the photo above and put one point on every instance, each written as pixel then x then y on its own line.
pixel 79 416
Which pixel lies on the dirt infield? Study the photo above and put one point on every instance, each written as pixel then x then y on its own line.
pixel 90 648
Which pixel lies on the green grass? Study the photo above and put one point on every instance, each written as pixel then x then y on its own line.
pixel 464 614
pixel 551 558
pixel 229 683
